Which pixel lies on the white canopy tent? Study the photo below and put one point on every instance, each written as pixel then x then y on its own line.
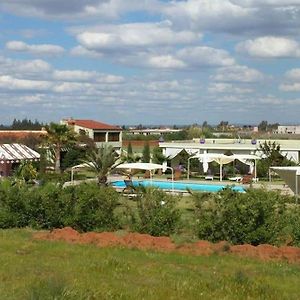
pixel 223 159
pixel 144 166
pixel 291 175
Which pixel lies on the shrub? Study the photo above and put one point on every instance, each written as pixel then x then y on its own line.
pixel 13 205
pixel 91 207
pixel 85 207
pixel 156 213
pixel 46 207
pixel 254 217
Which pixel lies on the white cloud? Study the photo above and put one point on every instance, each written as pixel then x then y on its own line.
pixel 24 68
pixel 74 9
pixel 166 62
pixel 290 87
pixel 202 56
pixel 81 51
pixel 10 83
pixel 260 3
pixel 270 47
pixel 113 37
pixel 238 74
pixel 85 76
pixel 42 49
pixel 228 88
pixel 293 74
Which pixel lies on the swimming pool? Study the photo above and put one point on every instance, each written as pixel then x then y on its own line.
pixel 182 186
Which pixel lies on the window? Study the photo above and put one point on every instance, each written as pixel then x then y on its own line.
pixel 113 136
pixel 99 136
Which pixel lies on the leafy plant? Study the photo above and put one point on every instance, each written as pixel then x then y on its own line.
pixel 255 217
pixel 101 162
pixel 156 213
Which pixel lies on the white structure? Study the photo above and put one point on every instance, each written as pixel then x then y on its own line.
pixel 11 154
pixel 291 175
pixel 290 148
pixel 99 132
pixel 154 131
pixel 289 129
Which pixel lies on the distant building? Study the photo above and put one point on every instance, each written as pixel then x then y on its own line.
pixel 153 131
pixel 100 133
pixel 17 135
pixel 289 129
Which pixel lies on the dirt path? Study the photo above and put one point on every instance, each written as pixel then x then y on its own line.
pixel 165 244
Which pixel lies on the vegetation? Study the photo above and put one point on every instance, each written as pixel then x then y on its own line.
pixel 146 153
pixel 85 207
pixel 157 213
pixel 255 217
pixel 23 124
pixel 157 156
pixel 57 270
pixel 101 161
pixel 58 136
pixel 271 157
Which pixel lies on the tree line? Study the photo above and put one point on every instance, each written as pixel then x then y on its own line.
pixel 24 124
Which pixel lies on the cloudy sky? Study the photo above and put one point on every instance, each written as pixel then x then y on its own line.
pixel 150 61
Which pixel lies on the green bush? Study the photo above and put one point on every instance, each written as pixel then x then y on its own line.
pixel 156 213
pixel 255 217
pixel 13 209
pixel 85 207
pixel 92 207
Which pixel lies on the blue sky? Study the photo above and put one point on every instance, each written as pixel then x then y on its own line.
pixel 150 61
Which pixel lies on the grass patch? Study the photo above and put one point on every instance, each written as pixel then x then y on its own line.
pixel 56 270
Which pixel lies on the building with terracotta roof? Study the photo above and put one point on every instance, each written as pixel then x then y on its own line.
pixel 100 132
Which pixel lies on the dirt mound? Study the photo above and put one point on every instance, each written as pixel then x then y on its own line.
pixel 165 244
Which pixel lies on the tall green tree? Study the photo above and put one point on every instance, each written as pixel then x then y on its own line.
pixel 157 156
pixel 101 161
pixel 58 136
pixel 146 153
pixel 129 150
pixel 271 157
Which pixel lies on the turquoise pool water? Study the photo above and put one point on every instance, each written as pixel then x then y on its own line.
pixel 182 186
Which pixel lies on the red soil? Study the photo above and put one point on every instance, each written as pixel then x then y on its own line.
pixel 165 244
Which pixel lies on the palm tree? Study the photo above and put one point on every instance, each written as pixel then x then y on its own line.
pixel 101 162
pixel 58 136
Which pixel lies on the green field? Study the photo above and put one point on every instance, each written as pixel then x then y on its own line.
pixel 55 270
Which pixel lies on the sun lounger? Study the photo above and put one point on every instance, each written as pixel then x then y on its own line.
pixel 209 177
pixel 236 178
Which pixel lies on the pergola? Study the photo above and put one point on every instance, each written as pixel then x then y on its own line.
pixel 223 159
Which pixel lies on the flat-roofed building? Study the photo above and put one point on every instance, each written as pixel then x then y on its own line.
pixel 288 129
pixel 290 148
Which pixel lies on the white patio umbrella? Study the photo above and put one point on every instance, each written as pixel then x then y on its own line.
pixel 219 158
pixel 245 158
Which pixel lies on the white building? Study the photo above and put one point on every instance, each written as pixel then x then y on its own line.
pixel 288 129
pixel 101 133
pixel 290 148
